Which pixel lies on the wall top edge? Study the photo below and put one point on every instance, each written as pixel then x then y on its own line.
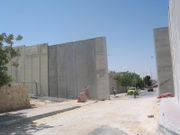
pixel 31 45
pixel 160 28
pixel 101 37
pixel 84 40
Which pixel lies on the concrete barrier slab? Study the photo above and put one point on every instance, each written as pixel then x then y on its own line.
pixel 169 116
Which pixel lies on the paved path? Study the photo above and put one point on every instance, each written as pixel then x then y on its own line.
pixel 120 116
pixel 33 113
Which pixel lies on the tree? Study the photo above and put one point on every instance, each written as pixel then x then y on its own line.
pixel 147 81
pixel 7 52
pixel 137 81
pixel 140 83
pixel 128 79
pixel 124 79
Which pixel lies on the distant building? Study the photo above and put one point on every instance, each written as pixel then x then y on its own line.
pixel 114 83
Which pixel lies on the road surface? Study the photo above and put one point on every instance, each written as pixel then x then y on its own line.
pixel 122 115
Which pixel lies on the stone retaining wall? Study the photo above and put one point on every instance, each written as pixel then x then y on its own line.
pixel 13 98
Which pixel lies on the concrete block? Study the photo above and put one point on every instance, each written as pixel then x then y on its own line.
pixel 163 60
pixel 174 33
pixel 74 65
pixel 63 70
pixel 32 69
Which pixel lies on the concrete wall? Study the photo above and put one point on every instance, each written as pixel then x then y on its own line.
pixel 163 60
pixel 101 69
pixel 33 67
pixel 13 98
pixel 75 65
pixel 174 32
pixel 63 70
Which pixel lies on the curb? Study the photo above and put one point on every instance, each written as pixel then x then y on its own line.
pixel 167 131
pixel 23 120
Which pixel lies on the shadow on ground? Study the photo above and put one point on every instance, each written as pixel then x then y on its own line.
pixel 106 130
pixel 23 129
pixel 8 116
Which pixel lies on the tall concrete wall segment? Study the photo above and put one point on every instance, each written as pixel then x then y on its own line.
pixel 174 32
pixel 163 60
pixel 32 69
pixel 75 65
pixel 169 113
pixel 63 70
pixel 101 69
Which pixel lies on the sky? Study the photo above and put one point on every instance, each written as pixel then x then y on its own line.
pixel 127 25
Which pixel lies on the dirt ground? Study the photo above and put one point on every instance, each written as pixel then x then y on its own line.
pixel 42 103
pixel 122 115
pixel 45 102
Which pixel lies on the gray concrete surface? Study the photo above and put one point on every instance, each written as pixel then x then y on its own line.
pixel 174 32
pixel 25 115
pixel 102 77
pixel 163 60
pixel 63 70
pixel 123 115
pixel 74 65
pixel 169 116
pixel 33 67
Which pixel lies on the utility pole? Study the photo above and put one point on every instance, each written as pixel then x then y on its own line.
pixel 134 78
pixel 151 66
pixel 143 80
